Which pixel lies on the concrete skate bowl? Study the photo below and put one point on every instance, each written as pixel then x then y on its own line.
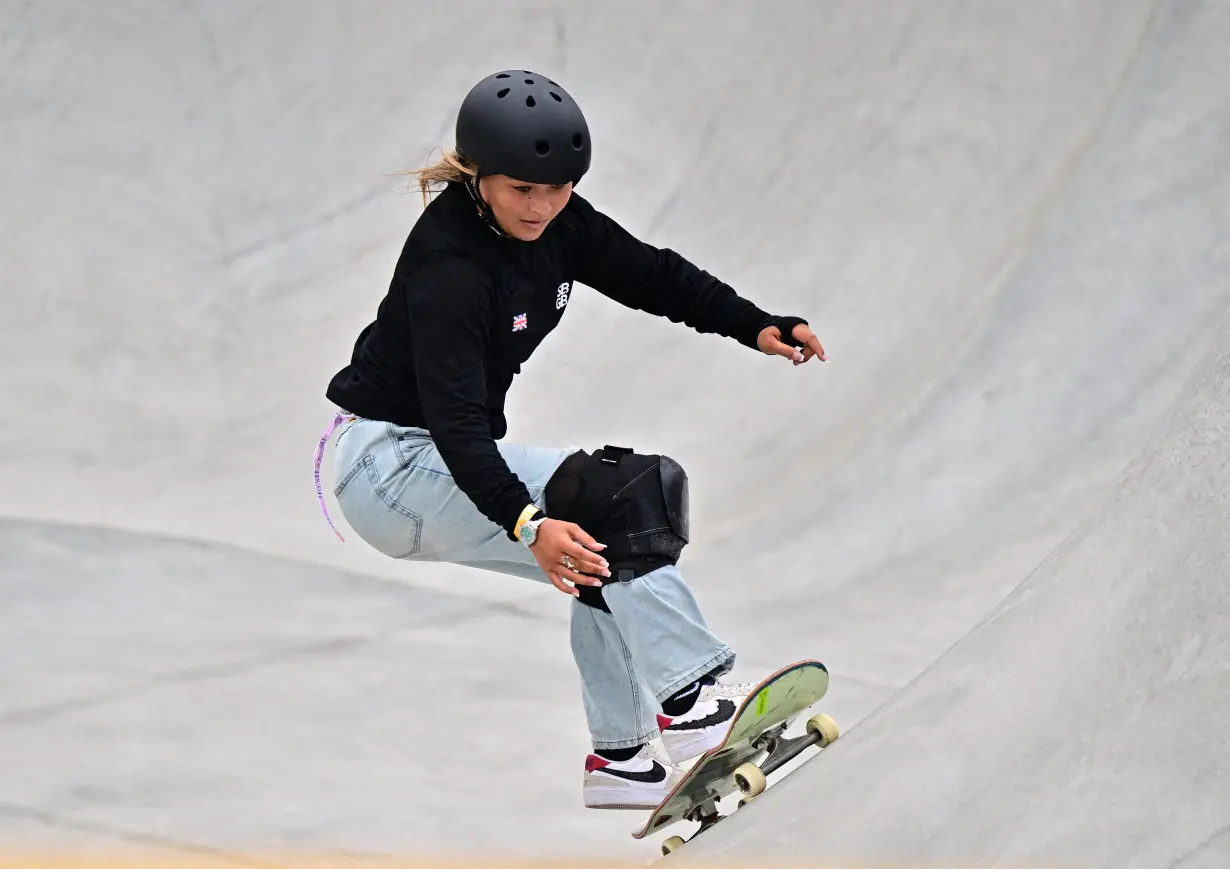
pixel 997 513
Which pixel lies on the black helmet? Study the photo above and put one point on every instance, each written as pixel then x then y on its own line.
pixel 522 124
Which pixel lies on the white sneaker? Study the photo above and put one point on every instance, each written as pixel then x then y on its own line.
pixel 706 724
pixel 639 783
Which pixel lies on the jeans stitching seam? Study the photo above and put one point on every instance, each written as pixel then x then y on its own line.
pixel 350 475
pixel 392 504
pixel 634 682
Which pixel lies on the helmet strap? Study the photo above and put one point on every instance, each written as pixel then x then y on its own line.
pixel 471 185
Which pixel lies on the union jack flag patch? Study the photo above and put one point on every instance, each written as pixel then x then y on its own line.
pixel 520 322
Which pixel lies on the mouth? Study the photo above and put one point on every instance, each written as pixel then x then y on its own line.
pixel 533 224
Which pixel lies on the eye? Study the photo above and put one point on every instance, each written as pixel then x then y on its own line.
pixel 522 188
pixel 558 186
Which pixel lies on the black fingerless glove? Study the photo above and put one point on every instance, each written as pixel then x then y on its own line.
pixel 786 325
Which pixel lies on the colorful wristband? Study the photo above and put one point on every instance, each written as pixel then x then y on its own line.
pixel 525 516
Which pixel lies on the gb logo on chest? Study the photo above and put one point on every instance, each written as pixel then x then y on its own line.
pixel 561 294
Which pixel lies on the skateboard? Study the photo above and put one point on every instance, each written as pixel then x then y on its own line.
pixel 758 728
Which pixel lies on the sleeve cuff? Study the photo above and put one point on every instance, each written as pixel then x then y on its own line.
pixel 749 327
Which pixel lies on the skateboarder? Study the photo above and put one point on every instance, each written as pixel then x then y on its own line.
pixel 485 274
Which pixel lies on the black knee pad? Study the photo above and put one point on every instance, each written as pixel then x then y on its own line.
pixel 635 504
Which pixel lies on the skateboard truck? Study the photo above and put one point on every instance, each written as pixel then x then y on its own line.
pixel 706 814
pixel 751 778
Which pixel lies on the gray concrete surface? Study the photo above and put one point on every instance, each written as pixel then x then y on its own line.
pixel 1006 222
pixel 1083 721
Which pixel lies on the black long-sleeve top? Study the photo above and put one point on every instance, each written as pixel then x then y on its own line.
pixel 466 307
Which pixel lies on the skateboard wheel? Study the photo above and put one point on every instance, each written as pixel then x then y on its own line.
pixel 750 780
pixel 674 843
pixel 826 727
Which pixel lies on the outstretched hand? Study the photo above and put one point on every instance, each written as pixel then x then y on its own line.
pixel 770 341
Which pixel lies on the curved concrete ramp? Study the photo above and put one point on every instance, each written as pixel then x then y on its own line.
pixel 1007 223
pixel 1082 723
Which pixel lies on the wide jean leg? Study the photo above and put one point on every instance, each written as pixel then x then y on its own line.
pixel 397 494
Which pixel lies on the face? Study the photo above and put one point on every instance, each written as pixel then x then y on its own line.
pixel 523 210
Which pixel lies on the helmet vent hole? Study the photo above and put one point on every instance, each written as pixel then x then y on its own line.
pixel 529 81
pixel 503 75
pixel 578 141
pixel 503 93
pixel 552 83
pixel 542 147
pixel 556 97
pixel 529 101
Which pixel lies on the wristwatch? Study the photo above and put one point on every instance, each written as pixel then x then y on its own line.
pixel 528 532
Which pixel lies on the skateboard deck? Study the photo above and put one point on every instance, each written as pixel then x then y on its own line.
pixel 756 729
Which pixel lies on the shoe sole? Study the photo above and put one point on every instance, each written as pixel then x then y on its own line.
pixel 620 798
pixel 682 751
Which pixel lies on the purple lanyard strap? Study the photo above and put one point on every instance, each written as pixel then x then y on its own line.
pixel 338 419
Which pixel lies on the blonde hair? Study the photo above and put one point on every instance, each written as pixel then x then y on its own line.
pixel 452 167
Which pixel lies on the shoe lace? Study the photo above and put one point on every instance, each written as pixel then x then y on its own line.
pixel 734 689
pixel 651 748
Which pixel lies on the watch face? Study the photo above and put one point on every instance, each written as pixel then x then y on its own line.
pixel 528 533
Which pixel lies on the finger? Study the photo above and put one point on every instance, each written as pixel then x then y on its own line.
pixel 586 561
pixel 575 576
pixel 799 338
pixel 578 534
pixel 561 585
pixel 777 348
pixel 590 574
pixel 811 345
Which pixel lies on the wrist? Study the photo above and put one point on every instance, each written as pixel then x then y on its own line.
pixel 526 529
pixel 747 329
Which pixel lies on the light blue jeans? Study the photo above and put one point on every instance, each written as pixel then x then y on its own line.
pixel 397 494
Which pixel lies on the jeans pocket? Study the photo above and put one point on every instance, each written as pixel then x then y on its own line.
pixel 377 517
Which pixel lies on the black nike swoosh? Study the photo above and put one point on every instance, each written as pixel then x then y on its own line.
pixel 725 711
pixel 656 773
